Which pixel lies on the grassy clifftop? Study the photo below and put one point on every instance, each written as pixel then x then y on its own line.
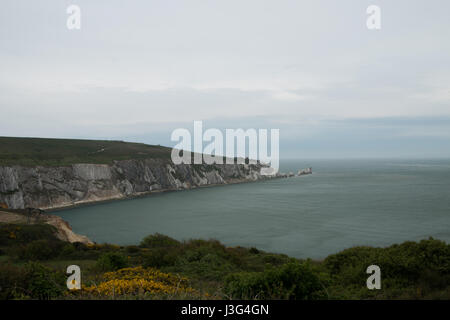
pixel 60 152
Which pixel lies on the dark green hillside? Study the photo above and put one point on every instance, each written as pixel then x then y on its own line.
pixel 58 152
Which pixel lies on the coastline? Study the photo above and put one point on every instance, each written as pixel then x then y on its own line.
pixel 83 203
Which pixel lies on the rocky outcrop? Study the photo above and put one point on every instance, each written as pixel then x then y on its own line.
pixel 55 187
pixel 63 231
pixel 304 171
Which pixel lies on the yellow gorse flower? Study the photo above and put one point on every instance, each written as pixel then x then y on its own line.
pixel 139 280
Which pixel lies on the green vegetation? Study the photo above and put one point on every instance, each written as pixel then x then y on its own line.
pixel 112 261
pixel 159 241
pixel 409 270
pixel 33 263
pixel 293 280
pixel 30 281
pixel 31 152
pixel 62 152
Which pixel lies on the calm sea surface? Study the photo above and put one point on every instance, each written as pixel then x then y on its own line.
pixel 342 204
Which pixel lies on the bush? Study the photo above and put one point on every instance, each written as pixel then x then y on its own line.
pixel 132 249
pixel 291 281
pixel 159 257
pixel 205 259
pixel 30 242
pixel 407 261
pixel 159 241
pixel 406 269
pixel 141 283
pixel 39 250
pixel 43 283
pixel 67 251
pixel 12 281
pixel 111 261
pixel 204 265
pixel 14 234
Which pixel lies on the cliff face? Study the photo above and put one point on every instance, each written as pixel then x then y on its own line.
pixel 53 187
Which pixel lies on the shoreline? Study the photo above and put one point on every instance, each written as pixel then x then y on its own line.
pixel 149 193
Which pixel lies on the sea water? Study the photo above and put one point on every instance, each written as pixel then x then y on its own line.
pixel 344 203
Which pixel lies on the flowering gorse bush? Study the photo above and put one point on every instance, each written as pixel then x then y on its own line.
pixel 139 280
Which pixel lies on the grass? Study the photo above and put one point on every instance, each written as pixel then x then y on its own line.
pixel 63 152
pixel 62 264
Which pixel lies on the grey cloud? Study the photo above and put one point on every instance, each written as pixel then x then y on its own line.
pixel 137 69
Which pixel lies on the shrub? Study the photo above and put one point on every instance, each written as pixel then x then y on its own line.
pixel 159 257
pixel 291 281
pixel 275 259
pixel 159 241
pixel 13 234
pixel 12 281
pixel 406 262
pixel 140 282
pixel 408 270
pixel 30 242
pixel 111 261
pixel 38 250
pixel 132 249
pixel 43 283
pixel 68 250
pixel 205 259
pixel 204 265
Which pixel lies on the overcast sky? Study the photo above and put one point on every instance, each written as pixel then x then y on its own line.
pixel 136 70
